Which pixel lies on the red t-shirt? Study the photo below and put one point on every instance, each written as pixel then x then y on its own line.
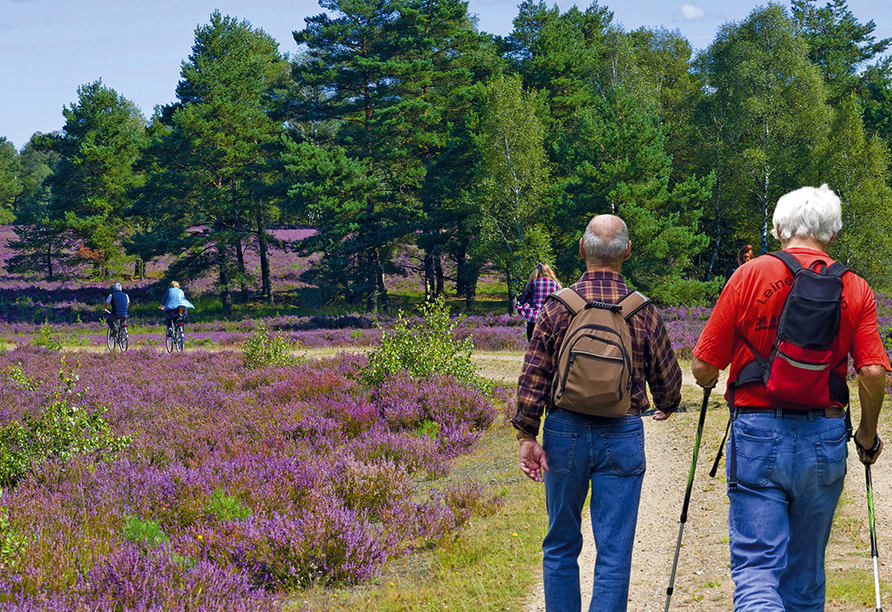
pixel 750 305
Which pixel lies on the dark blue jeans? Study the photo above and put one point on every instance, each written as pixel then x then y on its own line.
pixel 608 456
pixel 790 470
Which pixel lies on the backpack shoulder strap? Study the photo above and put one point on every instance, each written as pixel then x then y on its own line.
pixel 837 269
pixel 791 262
pixel 569 298
pixel 632 303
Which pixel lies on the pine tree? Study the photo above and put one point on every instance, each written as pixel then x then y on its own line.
pixel 103 136
pixel 204 191
pixel 616 162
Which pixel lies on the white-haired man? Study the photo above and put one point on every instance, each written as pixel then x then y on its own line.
pixel 580 452
pixel 786 460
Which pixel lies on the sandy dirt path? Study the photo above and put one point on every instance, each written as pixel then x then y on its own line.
pixel 703 580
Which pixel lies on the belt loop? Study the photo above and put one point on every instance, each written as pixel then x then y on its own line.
pixel 811 414
pixel 779 414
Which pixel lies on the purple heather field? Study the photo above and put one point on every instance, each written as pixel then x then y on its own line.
pixel 255 482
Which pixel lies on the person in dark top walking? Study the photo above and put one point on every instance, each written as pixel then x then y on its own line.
pixel 116 305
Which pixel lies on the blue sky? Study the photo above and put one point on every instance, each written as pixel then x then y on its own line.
pixel 48 48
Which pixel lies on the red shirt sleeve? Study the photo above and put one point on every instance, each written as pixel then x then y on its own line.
pixel 867 344
pixel 716 343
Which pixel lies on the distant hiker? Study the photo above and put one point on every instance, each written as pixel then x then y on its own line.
pixel 744 255
pixel 174 298
pixel 786 455
pixel 580 450
pixel 116 305
pixel 542 282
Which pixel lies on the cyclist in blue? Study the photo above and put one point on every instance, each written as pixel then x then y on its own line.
pixel 174 298
pixel 116 305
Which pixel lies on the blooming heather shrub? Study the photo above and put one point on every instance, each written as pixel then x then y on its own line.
pixel 495 338
pixel 370 486
pixel 328 545
pixel 413 453
pixel 132 579
pixel 326 466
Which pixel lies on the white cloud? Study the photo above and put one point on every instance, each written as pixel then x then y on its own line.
pixel 691 12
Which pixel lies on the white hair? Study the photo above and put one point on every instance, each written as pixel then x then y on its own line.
pixel 118 287
pixel 605 240
pixel 812 212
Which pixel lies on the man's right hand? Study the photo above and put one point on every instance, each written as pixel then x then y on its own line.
pixel 868 453
pixel 532 459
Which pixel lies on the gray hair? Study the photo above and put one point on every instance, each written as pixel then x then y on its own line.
pixel 605 240
pixel 118 287
pixel 812 212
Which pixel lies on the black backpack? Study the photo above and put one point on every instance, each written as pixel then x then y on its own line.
pixel 799 369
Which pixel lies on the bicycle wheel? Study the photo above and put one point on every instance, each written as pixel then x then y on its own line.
pixel 110 337
pixel 181 339
pixel 168 343
pixel 123 340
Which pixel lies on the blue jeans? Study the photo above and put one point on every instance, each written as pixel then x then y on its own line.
pixel 790 472
pixel 607 454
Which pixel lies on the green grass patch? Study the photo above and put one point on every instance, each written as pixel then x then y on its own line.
pixel 853 589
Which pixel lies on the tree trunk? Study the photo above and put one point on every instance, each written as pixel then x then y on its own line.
pixel 470 295
pixel 242 272
pixel 512 299
pixel 764 231
pixel 264 257
pixel 441 281
pixel 430 282
pixel 225 296
pixel 382 291
pixel 371 302
pixel 49 261
pixel 716 244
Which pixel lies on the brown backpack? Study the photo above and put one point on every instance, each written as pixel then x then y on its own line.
pixel 594 370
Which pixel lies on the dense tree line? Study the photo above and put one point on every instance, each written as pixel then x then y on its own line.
pixel 398 122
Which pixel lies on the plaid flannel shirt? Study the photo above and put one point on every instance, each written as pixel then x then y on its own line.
pixel 653 360
pixel 531 301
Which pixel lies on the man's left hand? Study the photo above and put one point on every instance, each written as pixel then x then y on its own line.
pixel 659 415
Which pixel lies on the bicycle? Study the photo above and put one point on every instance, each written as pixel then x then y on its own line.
pixel 117 337
pixel 176 339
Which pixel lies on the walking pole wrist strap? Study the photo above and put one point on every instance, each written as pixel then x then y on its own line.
pixel 873 450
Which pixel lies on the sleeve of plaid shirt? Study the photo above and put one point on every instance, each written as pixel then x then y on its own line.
pixel 661 369
pixel 539 366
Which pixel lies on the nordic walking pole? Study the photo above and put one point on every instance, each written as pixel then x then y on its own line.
pixel 871 517
pixel 687 494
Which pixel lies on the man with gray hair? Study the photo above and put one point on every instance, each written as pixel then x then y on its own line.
pixel 578 450
pixel 786 458
pixel 116 305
